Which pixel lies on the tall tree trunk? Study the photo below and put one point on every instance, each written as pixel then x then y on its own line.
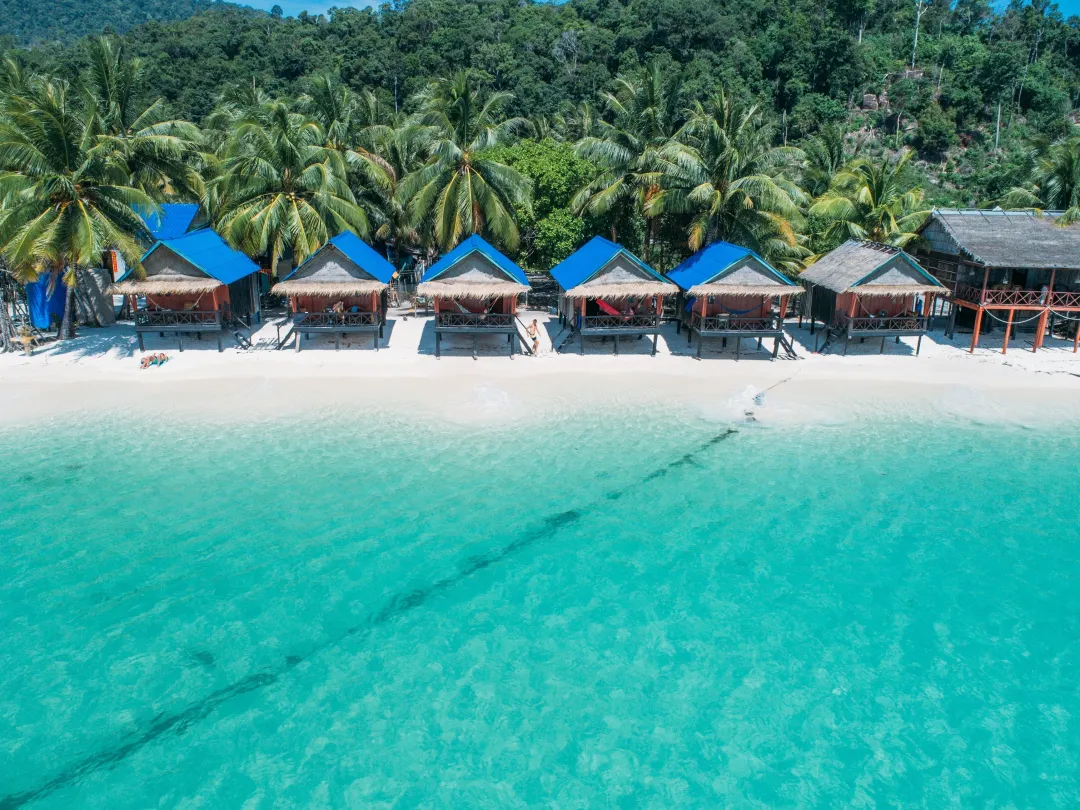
pixel 7 328
pixel 67 326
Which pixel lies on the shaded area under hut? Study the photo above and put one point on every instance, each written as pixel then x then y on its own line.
pixel 728 291
pixel 869 290
pixel 606 291
pixel 474 290
pixel 190 284
pixel 341 289
pixel 1014 270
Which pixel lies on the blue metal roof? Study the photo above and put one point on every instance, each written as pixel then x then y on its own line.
pixel 714 259
pixel 474 244
pixel 583 263
pixel 171 222
pixel 359 253
pixel 211 254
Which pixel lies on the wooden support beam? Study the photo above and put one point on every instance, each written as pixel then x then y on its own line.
pixel 1008 329
pixel 978 328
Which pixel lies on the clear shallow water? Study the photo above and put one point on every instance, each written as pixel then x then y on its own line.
pixel 640 610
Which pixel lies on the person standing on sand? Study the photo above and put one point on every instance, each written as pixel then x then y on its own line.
pixel 533 331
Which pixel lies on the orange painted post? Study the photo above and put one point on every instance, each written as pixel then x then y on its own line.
pixel 1076 340
pixel 1040 331
pixel 1008 329
pixel 978 327
pixel 783 307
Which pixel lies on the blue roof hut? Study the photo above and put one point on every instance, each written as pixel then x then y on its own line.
pixel 340 289
pixel 191 281
pixel 474 289
pixel 728 291
pixel 606 291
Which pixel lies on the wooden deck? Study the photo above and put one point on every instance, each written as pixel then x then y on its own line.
pixel 180 322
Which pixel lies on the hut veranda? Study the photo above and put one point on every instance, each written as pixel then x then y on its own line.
pixel 869 290
pixel 606 291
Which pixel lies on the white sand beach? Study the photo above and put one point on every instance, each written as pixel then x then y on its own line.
pixel 100 372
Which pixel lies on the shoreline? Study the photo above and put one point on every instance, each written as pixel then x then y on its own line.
pixel 99 372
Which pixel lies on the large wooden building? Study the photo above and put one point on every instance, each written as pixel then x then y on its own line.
pixel 474 289
pixel 1007 270
pixel 729 292
pixel 341 289
pixel 868 290
pixel 606 291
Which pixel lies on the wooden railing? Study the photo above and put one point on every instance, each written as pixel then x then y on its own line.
pixel 898 323
pixel 736 323
pixel 329 320
pixel 474 320
pixel 176 319
pixel 641 321
pixel 1017 298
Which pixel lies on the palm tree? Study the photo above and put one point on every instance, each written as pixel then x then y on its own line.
pixel 66 189
pixel 723 169
pixel 159 150
pixel 626 149
pixel 280 188
pixel 459 191
pixel 871 200
pixel 351 123
pixel 1053 180
pixel 403 149
pixel 826 156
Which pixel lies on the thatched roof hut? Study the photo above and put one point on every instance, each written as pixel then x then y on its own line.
pixel 604 269
pixel 1022 240
pixel 343 267
pixel 870 269
pixel 724 269
pixel 474 269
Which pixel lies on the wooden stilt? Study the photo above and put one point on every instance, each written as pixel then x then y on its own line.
pixel 1040 331
pixel 978 328
pixel 1008 329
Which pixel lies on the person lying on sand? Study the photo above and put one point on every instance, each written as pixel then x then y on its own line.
pixel 154 360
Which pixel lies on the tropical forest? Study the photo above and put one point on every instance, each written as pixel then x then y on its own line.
pixel 785 126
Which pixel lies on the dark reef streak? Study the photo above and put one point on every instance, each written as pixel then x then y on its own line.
pixel 179 722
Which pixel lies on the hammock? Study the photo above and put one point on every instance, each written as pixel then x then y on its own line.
pixel 608 309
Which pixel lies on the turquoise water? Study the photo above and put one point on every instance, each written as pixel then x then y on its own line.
pixel 635 610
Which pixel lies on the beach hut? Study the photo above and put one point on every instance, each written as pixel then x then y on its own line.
pixel 1017 269
pixel 607 291
pixel 728 291
pixel 866 289
pixel 191 283
pixel 341 289
pixel 474 289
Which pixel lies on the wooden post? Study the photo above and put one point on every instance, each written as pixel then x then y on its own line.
pixel 1076 340
pixel 986 279
pixel 978 328
pixel 1008 328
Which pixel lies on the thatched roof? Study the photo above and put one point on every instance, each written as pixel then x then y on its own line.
pixel 870 268
pixel 1014 239
pixel 755 290
pixel 637 288
pixel 164 285
pixel 470 289
pixel 328 289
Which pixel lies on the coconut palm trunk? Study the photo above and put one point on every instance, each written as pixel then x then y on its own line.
pixel 67 325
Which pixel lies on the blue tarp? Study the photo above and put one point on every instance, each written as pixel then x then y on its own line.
pixel 711 261
pixel 582 264
pixel 474 244
pixel 359 253
pixel 173 221
pixel 43 306
pixel 211 254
